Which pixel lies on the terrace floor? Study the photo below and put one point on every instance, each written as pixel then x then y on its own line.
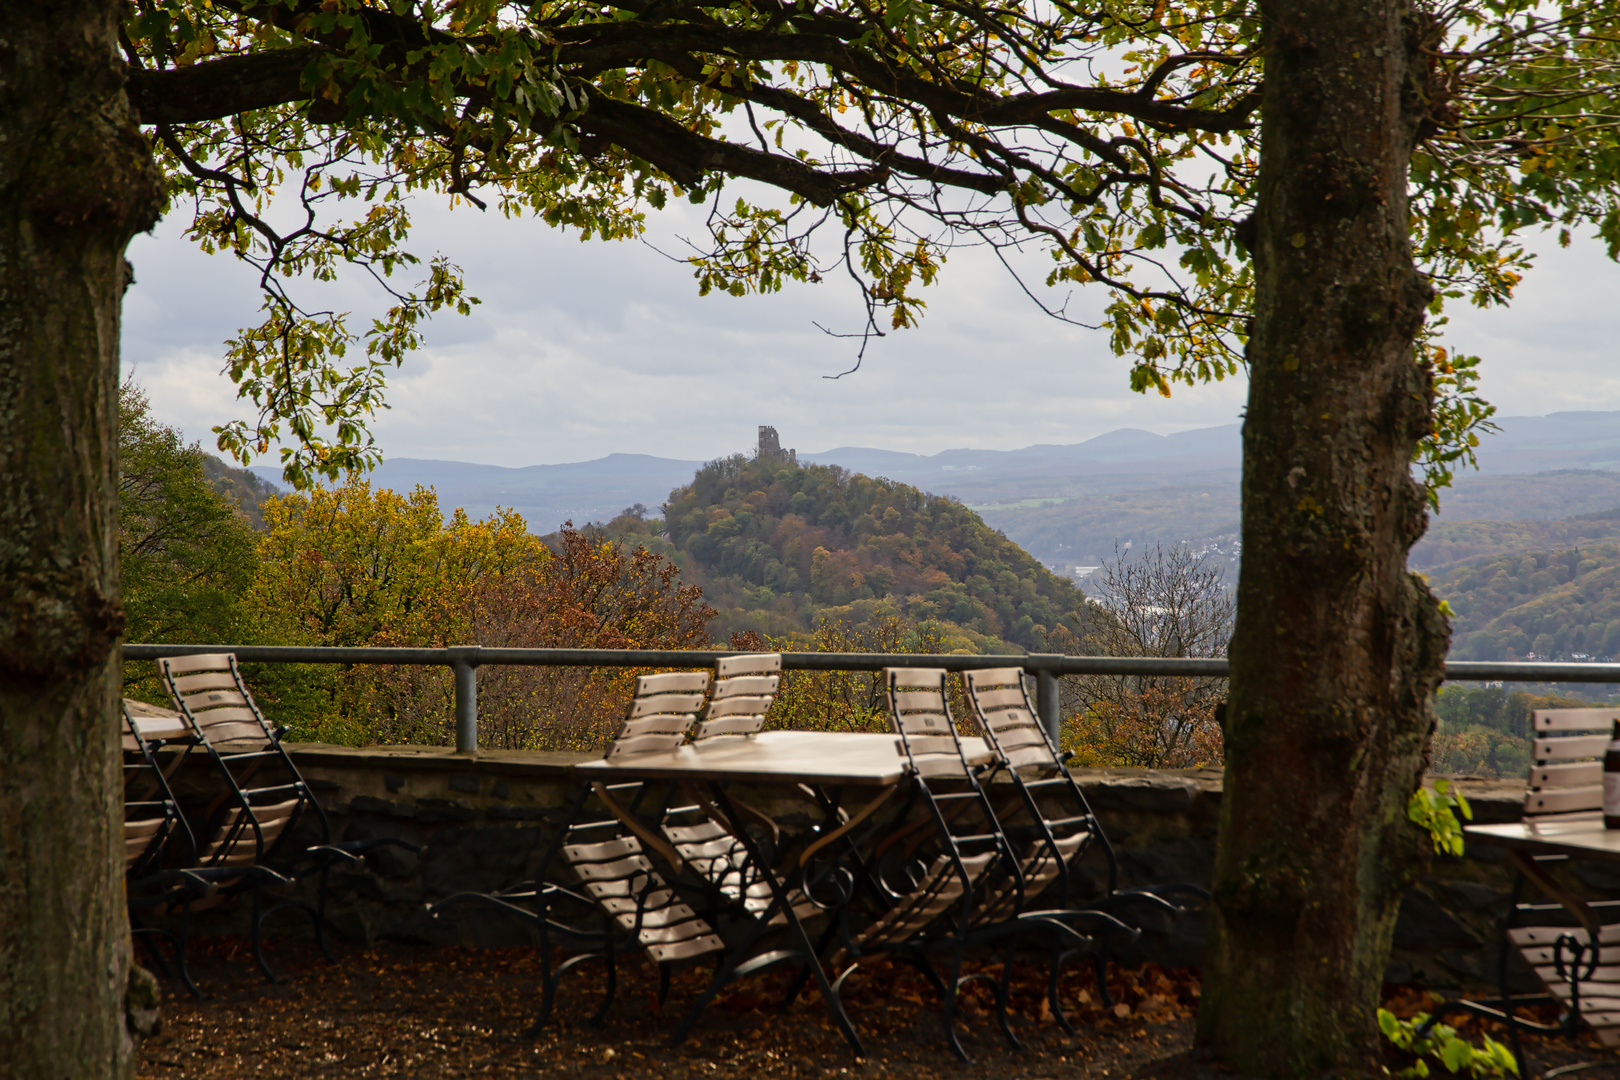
pixel 428 1012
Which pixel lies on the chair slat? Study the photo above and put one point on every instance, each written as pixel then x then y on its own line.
pixel 186 685
pixel 1538 957
pixel 932 744
pixel 1576 746
pixel 182 665
pixel 605 850
pixel 214 699
pixel 941 765
pixel 1524 936
pixel 917 701
pixel 1020 737
pixel 1564 800
pixel 665 703
pixel 643 744
pixel 1031 755
pixel 689 834
pixel 234 731
pixel 1580 774
pixel 746 686
pixel 660 724
pixel 736 725
pixel 682 682
pixel 739 706
pixel 616 870
pixel 685 950
pixel 748 664
pixel 617 897
pixel 906 678
pixel 989 677
pixel 922 723
pixel 206 718
pixel 1000 699
pixel 1576 719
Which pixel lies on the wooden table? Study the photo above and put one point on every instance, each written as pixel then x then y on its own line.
pixel 817 758
pixel 1584 837
pixel 776 757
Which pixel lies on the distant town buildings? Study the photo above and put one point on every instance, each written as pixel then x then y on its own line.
pixel 770 447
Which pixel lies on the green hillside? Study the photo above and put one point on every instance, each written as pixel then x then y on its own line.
pixel 1448 543
pixel 779 547
pixel 1562 605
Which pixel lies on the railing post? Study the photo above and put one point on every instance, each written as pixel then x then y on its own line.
pixel 1047 702
pixel 464 662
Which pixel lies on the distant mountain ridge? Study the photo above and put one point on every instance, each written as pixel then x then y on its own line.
pixel 1058 501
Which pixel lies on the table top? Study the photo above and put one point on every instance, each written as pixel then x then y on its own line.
pixel 1576 834
pixel 788 757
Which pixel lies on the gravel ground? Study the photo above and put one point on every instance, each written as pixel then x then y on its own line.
pixel 418 1011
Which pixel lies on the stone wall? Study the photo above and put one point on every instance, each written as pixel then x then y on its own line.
pixel 483 823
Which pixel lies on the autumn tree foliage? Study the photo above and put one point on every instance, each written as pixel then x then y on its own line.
pixel 1167 602
pixel 358 566
pixel 847 700
pixel 186 552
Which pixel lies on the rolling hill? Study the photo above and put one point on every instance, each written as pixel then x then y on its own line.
pixel 777 547
pixel 1557 605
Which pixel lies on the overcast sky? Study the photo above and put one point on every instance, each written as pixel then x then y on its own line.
pixel 581 350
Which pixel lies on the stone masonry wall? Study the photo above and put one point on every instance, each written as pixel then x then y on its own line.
pixel 483 823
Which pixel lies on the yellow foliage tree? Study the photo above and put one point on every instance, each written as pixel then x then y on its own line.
pixel 353 566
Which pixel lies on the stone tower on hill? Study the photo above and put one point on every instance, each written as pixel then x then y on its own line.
pixel 770 447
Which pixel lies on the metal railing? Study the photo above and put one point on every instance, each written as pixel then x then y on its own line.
pixel 1046 668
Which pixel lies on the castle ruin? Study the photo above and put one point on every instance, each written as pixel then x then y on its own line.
pixel 770 448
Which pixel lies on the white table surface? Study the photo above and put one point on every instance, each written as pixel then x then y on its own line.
pixel 786 757
pixel 1582 835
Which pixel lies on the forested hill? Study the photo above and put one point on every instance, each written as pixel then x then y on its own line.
pixel 1557 605
pixel 776 547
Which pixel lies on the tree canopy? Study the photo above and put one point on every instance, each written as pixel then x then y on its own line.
pixel 1120 137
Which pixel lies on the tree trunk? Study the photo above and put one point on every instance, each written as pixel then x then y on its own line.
pixel 77 180
pixel 1337 647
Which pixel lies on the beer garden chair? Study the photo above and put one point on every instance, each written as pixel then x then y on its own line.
pixel 260 800
pixel 1051 826
pixel 1572 944
pixel 160 880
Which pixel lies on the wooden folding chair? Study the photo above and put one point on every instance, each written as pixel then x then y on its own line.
pixel 1051 827
pixel 919 880
pixel 262 797
pixel 1573 945
pixel 162 876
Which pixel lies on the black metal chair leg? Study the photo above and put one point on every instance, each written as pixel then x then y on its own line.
pixel 1003 985
pixel 1099 964
pixel 613 988
pixel 663 984
pixel 180 946
pixel 319 917
pixel 258 936
pixel 950 1007
pixel 1054 977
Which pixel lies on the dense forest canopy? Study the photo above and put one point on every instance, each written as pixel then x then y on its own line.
pixel 1557 605
pixel 779 546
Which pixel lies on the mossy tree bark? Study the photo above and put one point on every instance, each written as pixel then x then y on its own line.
pixel 1337 646
pixel 76 182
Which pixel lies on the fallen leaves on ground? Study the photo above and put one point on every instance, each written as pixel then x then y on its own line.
pixel 425 1012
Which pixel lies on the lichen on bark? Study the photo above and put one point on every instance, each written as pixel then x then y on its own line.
pixel 1337 646
pixel 76 182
